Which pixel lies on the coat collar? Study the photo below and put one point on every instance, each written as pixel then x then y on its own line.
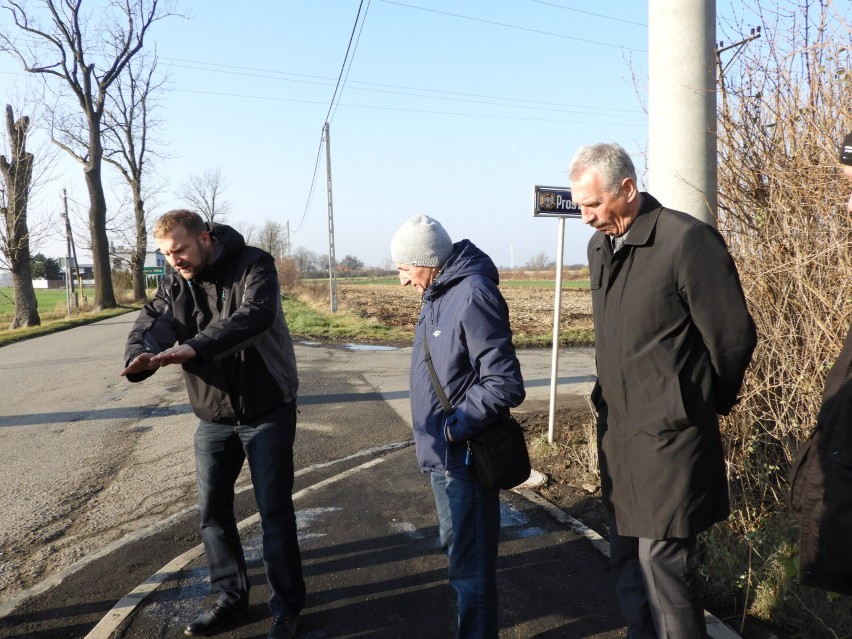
pixel 643 226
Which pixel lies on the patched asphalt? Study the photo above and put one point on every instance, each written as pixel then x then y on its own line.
pixel 374 569
pixel 368 534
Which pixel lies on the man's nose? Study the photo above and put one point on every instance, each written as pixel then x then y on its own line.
pixel 586 215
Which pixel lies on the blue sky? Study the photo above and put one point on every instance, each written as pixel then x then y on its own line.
pixel 452 109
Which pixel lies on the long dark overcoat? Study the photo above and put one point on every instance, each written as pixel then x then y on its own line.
pixel 673 338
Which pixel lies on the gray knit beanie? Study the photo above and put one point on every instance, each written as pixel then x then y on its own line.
pixel 421 241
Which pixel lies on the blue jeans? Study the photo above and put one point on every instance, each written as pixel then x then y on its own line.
pixel 220 451
pixel 469 528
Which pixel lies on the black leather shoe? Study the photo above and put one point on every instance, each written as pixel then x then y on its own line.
pixel 213 618
pixel 284 627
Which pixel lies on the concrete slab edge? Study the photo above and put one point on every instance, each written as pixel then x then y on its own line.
pixel 113 620
pixel 716 628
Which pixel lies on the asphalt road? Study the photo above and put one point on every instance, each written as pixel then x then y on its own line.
pixel 96 474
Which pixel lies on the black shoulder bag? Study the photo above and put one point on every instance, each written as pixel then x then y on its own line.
pixel 499 453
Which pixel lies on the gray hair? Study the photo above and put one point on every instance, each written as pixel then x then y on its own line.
pixel 610 161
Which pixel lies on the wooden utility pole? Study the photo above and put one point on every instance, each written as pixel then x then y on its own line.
pixel 332 266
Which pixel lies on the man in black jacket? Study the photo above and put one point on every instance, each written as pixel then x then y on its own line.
pixel 673 338
pixel 223 308
pixel 821 483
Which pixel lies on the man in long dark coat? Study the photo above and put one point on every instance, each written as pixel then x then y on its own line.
pixel 673 338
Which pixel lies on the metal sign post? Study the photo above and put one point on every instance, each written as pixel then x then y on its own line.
pixel 555 201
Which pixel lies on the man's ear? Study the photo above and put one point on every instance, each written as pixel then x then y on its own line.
pixel 630 188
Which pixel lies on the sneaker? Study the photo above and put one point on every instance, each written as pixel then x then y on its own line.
pixel 284 627
pixel 213 618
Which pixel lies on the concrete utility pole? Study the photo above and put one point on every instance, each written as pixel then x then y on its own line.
pixel 332 266
pixel 682 105
pixel 70 258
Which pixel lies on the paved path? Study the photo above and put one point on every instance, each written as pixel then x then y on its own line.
pixel 366 515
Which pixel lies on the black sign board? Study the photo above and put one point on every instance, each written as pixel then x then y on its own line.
pixel 554 201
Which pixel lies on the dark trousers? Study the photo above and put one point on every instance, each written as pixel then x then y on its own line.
pixel 657 586
pixel 220 451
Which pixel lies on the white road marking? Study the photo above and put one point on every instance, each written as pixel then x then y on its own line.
pixel 125 606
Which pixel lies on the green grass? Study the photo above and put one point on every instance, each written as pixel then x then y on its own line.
pixel 49 302
pixel 567 338
pixel 52 312
pixel 306 321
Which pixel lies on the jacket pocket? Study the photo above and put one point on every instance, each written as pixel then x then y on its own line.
pixel 596 275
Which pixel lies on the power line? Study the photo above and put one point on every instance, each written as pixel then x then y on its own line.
pixel 590 13
pixel 352 58
pixel 404 110
pixel 345 58
pixel 313 184
pixel 422 90
pixel 514 26
pixel 330 106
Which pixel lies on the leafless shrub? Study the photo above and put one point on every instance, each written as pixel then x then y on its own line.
pixel 784 108
pixel 288 274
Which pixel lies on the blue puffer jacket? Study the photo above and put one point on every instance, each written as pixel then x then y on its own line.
pixel 467 323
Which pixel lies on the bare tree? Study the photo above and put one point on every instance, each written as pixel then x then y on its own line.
pixel 204 195
pixel 17 175
pixel 272 238
pixel 128 122
pixel 248 231
pixel 540 262
pixel 305 260
pixel 86 52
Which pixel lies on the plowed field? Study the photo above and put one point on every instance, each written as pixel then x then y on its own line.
pixel 530 307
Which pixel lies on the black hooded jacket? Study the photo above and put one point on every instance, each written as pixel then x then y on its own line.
pixel 231 316
pixel 821 485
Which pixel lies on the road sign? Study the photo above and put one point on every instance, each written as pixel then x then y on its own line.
pixel 154 270
pixel 554 201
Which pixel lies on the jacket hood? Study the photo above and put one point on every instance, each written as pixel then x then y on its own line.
pixel 227 243
pixel 228 239
pixel 465 260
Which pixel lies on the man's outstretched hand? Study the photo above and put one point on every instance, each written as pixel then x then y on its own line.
pixel 150 362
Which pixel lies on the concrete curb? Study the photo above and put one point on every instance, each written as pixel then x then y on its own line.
pixel 716 628
pixel 126 605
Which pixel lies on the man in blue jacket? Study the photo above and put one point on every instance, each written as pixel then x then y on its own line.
pixel 223 308
pixel 466 321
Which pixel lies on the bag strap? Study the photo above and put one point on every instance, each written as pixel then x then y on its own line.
pixel 448 410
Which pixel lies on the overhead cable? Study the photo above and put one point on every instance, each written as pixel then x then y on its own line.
pixel 514 26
